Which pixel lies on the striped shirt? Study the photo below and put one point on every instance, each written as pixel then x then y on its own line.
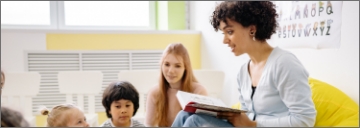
pixel 134 123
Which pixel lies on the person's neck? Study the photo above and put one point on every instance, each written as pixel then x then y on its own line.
pixel 260 52
pixel 117 124
pixel 176 85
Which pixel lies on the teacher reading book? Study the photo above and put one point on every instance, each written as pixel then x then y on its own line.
pixel 273 84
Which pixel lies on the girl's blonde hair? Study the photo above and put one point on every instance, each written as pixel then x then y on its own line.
pixel 187 79
pixel 57 117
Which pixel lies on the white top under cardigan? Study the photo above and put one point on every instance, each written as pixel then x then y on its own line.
pixel 283 95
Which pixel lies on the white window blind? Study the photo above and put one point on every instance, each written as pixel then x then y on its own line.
pixel 25 12
pixel 110 63
pixel 107 13
pixel 78 15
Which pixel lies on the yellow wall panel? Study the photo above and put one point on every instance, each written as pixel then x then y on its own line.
pixel 125 42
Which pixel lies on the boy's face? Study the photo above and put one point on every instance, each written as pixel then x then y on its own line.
pixel 121 112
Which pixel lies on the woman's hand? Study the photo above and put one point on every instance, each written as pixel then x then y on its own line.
pixel 237 119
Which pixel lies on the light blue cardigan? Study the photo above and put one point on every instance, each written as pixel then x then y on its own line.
pixel 282 97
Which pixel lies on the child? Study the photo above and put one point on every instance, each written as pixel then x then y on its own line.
pixel 65 115
pixel 2 81
pixel 12 118
pixel 121 101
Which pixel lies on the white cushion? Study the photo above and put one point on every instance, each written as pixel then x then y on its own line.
pixel 92 119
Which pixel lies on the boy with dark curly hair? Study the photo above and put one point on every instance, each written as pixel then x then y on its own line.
pixel 121 101
pixel 283 95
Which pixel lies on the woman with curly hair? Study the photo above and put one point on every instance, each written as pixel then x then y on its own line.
pixel 273 84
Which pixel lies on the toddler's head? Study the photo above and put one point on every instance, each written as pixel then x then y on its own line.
pixel 65 115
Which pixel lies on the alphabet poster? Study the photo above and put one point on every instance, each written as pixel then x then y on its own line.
pixel 308 24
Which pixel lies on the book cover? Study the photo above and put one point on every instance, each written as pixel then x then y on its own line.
pixel 195 103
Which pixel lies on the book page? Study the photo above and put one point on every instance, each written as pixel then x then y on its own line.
pixel 203 102
pixel 185 97
pixel 206 100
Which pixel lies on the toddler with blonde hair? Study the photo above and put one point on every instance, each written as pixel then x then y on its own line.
pixel 65 115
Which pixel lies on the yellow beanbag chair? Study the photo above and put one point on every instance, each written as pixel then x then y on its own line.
pixel 236 106
pixel 334 108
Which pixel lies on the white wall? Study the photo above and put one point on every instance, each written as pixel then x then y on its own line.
pixel 339 67
pixel 13 45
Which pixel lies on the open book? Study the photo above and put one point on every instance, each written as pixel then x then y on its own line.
pixel 194 103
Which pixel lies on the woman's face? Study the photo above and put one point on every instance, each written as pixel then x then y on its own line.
pixel 173 68
pixel 236 36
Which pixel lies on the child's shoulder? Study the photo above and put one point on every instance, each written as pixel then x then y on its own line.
pixel 136 123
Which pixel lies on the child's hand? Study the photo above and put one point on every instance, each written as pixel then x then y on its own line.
pixel 237 119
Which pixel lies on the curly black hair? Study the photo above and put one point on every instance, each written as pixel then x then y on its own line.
pixel 262 14
pixel 117 91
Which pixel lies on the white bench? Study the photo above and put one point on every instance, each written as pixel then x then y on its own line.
pixel 18 91
pixel 82 83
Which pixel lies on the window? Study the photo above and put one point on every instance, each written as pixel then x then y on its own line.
pixel 62 15
pixel 24 14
